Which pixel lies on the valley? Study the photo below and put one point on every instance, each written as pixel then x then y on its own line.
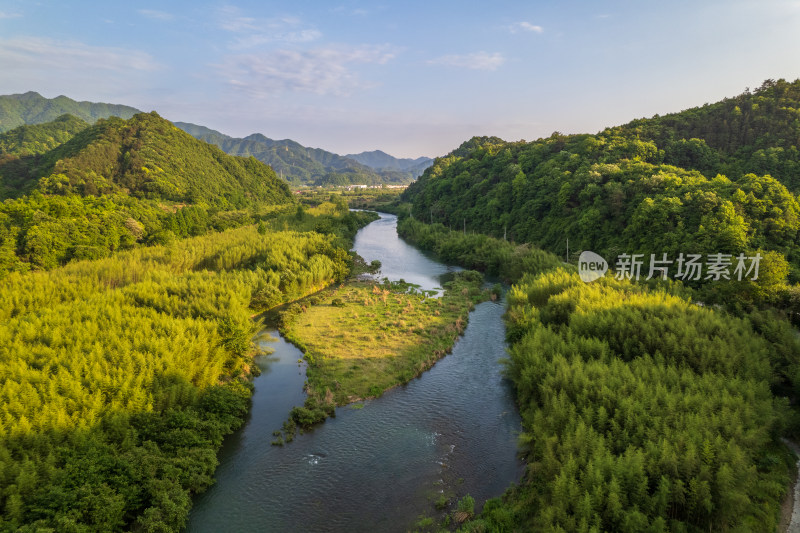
pixel 193 339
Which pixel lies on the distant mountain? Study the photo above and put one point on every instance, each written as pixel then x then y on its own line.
pixel 146 157
pixel 33 108
pixel 296 163
pixel 40 138
pixel 382 161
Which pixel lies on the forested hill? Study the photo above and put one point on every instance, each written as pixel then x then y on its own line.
pixel 117 184
pixel 145 156
pixel 33 108
pixel 755 132
pixel 40 138
pixel 649 187
pixel 298 164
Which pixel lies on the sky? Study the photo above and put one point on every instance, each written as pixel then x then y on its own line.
pixel 411 78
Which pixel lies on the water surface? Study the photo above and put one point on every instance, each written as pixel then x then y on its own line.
pixel 379 467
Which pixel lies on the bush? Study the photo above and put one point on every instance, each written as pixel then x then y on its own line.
pixel 305 417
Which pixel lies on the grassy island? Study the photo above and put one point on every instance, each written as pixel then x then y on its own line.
pixel 363 338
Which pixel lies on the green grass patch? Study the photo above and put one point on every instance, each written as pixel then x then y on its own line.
pixel 364 338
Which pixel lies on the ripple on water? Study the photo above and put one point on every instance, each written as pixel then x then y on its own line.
pixel 372 469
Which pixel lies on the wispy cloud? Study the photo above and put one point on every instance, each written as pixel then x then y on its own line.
pixel 358 12
pixel 475 61
pixel 4 15
pixel 155 14
pixel 525 26
pixel 252 32
pixel 320 71
pixel 27 53
pixel 257 39
pixel 76 69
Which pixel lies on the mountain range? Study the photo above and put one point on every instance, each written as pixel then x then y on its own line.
pixel 297 164
pixel 301 165
pixel 382 161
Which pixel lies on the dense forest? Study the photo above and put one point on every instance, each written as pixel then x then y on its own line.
pixel 642 411
pixel 75 191
pixel 38 139
pixel 716 179
pixel 120 376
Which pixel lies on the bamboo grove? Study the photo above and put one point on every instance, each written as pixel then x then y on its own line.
pixel 120 376
pixel 642 411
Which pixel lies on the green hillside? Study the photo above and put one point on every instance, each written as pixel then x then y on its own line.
pixel 147 156
pixel 756 132
pixel 33 108
pixel 40 138
pixel 622 191
pixel 116 184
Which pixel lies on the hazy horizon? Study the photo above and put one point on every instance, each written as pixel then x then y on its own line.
pixel 412 80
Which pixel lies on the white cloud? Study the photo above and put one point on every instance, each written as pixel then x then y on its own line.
pixel 320 71
pixel 252 32
pixel 525 26
pixel 357 12
pixel 475 61
pixel 18 55
pixel 75 69
pixel 257 39
pixel 4 15
pixel 155 14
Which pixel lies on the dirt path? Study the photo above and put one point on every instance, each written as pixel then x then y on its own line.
pixel 790 515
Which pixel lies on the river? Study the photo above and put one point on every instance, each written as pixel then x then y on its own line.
pixel 377 468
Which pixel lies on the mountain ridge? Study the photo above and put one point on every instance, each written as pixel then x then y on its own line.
pixel 380 160
pixel 298 164
pixel 32 108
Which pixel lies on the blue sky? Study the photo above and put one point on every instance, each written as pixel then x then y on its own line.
pixel 411 78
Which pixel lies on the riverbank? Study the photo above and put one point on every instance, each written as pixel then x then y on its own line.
pixel 361 339
pixel 153 350
pixel 624 386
